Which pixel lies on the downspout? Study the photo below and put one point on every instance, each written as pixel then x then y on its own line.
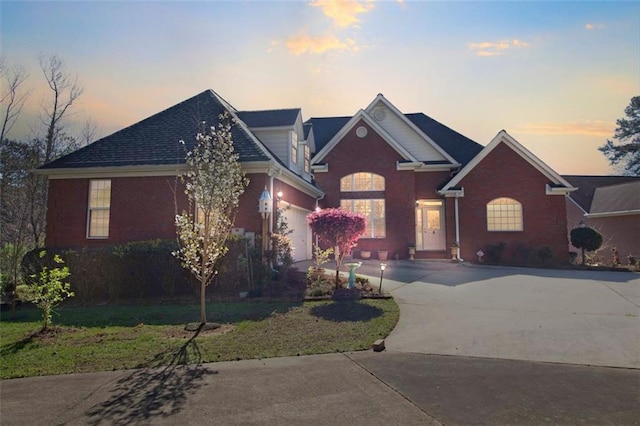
pixel 273 201
pixel 458 228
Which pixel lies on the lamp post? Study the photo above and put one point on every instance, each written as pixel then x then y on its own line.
pixel 265 208
pixel 382 268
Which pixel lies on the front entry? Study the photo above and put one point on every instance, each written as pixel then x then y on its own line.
pixel 430 231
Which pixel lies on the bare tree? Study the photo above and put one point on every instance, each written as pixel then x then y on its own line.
pixel 88 133
pixel 12 96
pixel 65 90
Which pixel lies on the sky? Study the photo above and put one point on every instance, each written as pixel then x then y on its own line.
pixel 555 75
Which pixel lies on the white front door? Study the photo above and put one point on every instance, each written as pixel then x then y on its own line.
pixel 430 230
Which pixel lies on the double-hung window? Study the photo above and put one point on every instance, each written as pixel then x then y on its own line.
pixel 99 208
pixel 368 199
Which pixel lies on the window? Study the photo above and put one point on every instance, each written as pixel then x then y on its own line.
pixel 362 182
pixel 373 208
pixel 99 209
pixel 373 211
pixel 307 159
pixel 504 214
pixel 294 147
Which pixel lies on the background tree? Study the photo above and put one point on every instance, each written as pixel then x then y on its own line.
pixel 586 238
pixel 213 184
pixel 65 90
pixel 23 195
pixel 340 229
pixel 627 151
pixel 18 195
pixel 12 96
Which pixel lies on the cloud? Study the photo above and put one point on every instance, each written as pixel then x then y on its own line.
pixel 344 12
pixel 601 129
pixel 591 27
pixel 489 48
pixel 304 43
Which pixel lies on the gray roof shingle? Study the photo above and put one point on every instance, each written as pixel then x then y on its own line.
pixel 155 140
pixel 461 148
pixel 616 198
pixel 587 185
pixel 270 118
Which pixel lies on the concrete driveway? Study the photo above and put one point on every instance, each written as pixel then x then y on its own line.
pixel 565 316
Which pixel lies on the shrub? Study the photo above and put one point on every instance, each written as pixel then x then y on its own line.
pixel 48 288
pixel 493 252
pixel 587 239
pixel 544 254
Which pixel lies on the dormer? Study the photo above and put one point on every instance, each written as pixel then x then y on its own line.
pixel 282 132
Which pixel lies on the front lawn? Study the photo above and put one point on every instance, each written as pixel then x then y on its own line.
pixel 85 339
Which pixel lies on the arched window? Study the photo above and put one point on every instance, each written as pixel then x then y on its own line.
pixel 504 214
pixel 371 206
pixel 362 181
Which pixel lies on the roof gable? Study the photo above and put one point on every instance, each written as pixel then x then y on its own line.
pixel 406 133
pixel 363 116
pixel 560 185
pixel 457 146
pixel 155 140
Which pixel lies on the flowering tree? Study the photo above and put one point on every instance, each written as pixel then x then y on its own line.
pixel 339 228
pixel 213 183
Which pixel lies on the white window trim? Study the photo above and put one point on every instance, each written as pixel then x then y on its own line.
pixel 294 147
pixel 371 219
pixel 91 209
pixel 352 178
pixel 506 230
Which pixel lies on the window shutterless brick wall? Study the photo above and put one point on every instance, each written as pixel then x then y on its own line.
pixel 503 173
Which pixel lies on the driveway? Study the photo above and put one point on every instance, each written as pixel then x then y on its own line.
pixel 566 316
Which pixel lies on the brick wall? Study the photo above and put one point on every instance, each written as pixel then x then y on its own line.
pixel 503 173
pixel 142 208
pixel 373 154
pixel 619 232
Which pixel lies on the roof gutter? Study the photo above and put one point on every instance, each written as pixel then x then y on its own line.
pixel 561 190
pixel 612 214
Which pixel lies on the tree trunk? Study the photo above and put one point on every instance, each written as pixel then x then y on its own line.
pixel 583 262
pixel 203 312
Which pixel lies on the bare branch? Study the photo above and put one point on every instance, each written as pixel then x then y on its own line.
pixel 65 91
pixel 12 97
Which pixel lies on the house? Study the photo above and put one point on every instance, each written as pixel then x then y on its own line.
pixel 610 205
pixel 124 187
pixel 418 182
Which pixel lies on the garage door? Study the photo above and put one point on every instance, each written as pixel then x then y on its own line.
pixel 301 233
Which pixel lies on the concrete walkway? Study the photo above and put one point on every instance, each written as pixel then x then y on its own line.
pixel 482 313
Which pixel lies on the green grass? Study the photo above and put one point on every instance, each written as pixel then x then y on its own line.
pixel 86 339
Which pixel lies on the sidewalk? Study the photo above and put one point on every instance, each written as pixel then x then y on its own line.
pixel 361 388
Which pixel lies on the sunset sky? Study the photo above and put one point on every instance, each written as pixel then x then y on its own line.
pixel 555 75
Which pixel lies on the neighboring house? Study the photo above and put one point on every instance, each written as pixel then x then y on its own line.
pixel 610 205
pixel 418 182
